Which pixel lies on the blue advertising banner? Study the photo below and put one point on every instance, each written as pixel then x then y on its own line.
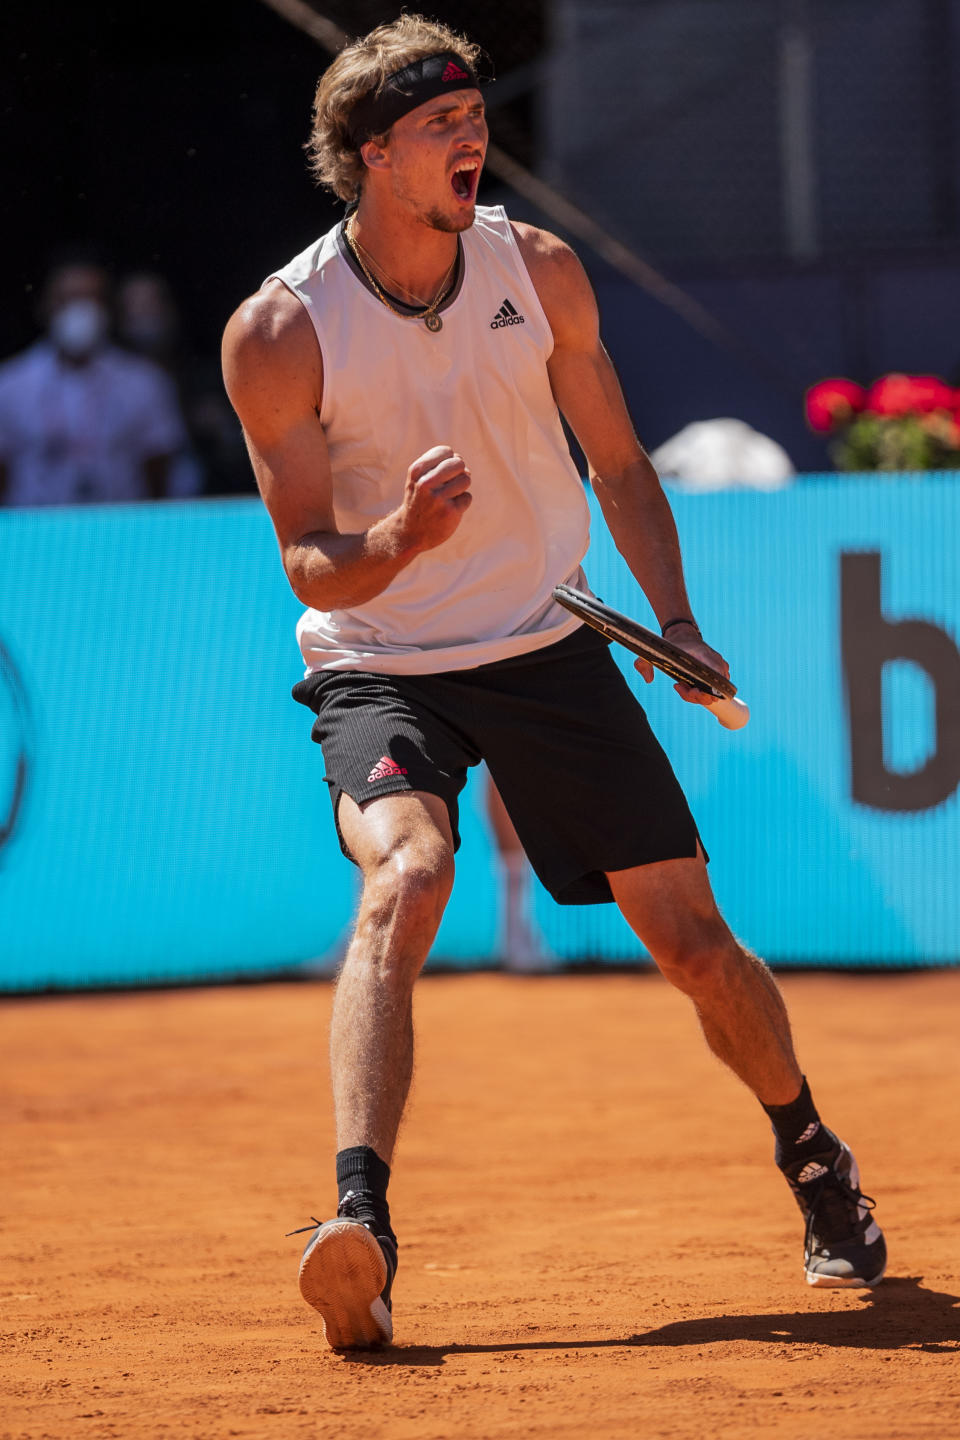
pixel 163 814
pixel 832 819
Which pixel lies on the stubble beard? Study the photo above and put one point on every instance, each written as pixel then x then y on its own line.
pixel 448 224
pixel 434 217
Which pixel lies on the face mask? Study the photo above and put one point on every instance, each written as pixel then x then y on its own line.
pixel 78 328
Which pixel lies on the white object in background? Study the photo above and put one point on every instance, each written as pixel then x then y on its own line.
pixel 722 455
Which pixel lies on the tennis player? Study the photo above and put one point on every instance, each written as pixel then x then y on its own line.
pixel 400 384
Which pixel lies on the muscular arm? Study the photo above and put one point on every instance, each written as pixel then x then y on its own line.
pixel 273 373
pixel 587 391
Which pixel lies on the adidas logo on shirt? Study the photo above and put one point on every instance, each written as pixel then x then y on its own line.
pixel 506 315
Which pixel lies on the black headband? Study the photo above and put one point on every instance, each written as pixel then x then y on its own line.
pixel 403 91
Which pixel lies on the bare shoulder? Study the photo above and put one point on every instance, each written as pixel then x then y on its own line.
pixel 560 282
pixel 270 334
pixel 545 255
pixel 268 317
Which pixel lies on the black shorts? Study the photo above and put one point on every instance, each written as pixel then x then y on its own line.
pixel 581 773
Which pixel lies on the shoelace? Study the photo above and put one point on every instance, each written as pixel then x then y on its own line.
pixel 304 1228
pixel 833 1203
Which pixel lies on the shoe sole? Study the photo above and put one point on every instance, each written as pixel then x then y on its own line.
pixel 342 1275
pixel 842 1282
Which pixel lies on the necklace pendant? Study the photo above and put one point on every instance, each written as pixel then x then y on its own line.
pixel 433 323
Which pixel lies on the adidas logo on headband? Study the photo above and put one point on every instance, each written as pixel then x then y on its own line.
pixel 405 89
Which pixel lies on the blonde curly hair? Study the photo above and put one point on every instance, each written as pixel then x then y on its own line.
pixel 365 66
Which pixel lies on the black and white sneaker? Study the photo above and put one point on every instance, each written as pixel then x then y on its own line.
pixel 346 1273
pixel 843 1244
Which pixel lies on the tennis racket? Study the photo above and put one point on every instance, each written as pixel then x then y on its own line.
pixel 732 713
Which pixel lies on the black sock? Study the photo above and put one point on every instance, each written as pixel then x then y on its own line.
pixel 799 1130
pixel 362 1180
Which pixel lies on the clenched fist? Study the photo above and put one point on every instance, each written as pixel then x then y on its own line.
pixel 435 496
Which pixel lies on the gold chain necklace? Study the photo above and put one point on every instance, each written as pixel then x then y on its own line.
pixel 417 299
pixel 429 314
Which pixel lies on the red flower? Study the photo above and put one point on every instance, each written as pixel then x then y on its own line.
pixel 909 395
pixel 931 394
pixel 833 402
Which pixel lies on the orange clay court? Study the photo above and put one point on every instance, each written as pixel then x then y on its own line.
pixel 594 1240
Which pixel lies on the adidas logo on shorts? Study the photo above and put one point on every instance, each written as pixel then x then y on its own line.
pixel 506 315
pixel 384 768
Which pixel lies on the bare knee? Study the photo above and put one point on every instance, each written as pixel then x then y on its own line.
pixel 406 888
pixel 698 958
pixel 414 878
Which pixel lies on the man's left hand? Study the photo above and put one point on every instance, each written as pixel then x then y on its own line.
pixel 685 637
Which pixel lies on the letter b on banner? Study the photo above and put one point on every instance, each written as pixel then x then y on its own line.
pixel 868 642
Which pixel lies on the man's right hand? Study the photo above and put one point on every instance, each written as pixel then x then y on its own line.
pixel 435 497
pixel 274 375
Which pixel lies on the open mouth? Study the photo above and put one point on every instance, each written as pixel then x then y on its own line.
pixel 465 179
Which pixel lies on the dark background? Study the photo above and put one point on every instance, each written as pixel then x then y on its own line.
pixel 172 139
pixel 169 139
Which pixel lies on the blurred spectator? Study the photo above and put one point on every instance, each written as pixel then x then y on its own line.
pixel 148 321
pixel 149 324
pixel 81 420
pixel 518 946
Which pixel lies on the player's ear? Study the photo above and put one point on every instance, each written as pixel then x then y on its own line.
pixel 373 153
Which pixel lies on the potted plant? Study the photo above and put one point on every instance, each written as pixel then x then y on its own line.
pixel 902 422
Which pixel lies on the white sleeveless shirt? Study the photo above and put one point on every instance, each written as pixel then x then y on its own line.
pixel 392 390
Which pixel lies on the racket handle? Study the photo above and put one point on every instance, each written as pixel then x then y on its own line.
pixel 733 714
